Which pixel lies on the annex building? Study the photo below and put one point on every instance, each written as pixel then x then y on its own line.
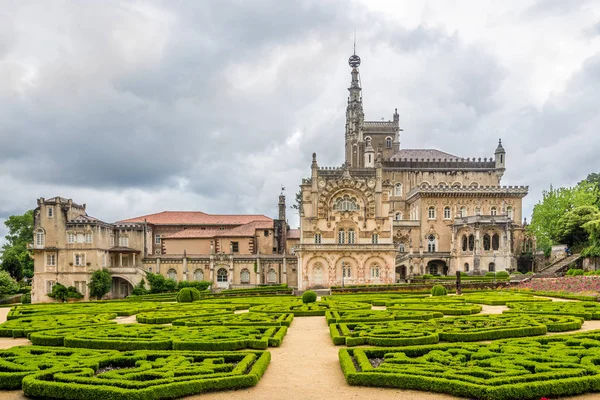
pixel 389 213
pixel 228 250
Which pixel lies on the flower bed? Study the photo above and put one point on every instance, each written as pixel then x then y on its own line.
pixel 127 337
pixel 576 285
pixel 525 369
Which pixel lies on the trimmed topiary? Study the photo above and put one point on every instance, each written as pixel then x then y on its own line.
pixel 187 295
pixel 502 274
pixel 438 290
pixel 309 297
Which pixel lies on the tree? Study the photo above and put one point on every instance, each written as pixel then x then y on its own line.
pixel 571 225
pixel 298 201
pixel 545 221
pixel 593 229
pixel 100 283
pixel 594 179
pixel 140 289
pixel 7 284
pixel 16 257
pixel 158 283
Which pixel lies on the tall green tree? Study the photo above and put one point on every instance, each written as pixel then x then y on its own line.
pixel 100 283
pixel 545 221
pixel 571 225
pixel 16 257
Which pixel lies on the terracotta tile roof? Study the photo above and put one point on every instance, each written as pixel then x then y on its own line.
pixel 196 218
pixel 420 154
pixel 248 229
pixel 293 234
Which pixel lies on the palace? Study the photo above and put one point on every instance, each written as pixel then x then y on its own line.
pixel 386 215
pixel 390 213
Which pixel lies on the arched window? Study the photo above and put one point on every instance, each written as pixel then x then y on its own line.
pixel 463 211
pixel 465 243
pixel 346 270
pixel 388 142
pixel 398 216
pixel 431 212
pixel 150 269
pixel 198 275
pixel 318 238
pixel 375 271
pixel 271 276
pixel 40 238
pixel 494 211
pixel 398 189
pixel 341 236
pixel 471 242
pixel 172 274
pixel 346 203
pixel 318 273
pixel 495 242
pixel 245 276
pixel 509 212
pixel 492 267
pixel 487 242
pixel 466 267
pixel 431 243
pixel 351 236
pixel 447 212
pixel 221 275
pixel 477 210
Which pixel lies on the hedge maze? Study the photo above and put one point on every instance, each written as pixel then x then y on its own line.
pixel 22 327
pixel 379 316
pixel 247 319
pixel 585 310
pixel 532 368
pixel 62 373
pixel 127 337
pixel 446 308
pixel 310 309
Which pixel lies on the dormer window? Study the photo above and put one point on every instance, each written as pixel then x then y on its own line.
pixel 346 203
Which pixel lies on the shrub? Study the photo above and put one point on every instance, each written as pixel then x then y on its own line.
pixel 26 298
pixel 502 274
pixel 577 272
pixel 529 273
pixel 309 297
pixel 7 284
pixel 100 283
pixel 158 283
pixel 438 290
pixel 62 293
pixel 140 289
pixel 490 274
pixel 187 295
pixel 427 276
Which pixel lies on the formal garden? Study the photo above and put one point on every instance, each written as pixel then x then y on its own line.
pixel 503 344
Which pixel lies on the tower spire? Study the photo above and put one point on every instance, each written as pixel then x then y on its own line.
pixel 354 115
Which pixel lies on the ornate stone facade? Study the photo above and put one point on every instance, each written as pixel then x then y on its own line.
pixel 389 213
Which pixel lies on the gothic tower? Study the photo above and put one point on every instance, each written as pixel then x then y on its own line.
pixel 354 117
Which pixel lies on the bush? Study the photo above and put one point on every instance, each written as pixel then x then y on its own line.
pixel 140 289
pixel 577 272
pixel 427 276
pixel 490 274
pixel 26 298
pixel 62 293
pixel 100 283
pixel 158 283
pixel 309 297
pixel 438 290
pixel 502 274
pixel 7 284
pixel 187 295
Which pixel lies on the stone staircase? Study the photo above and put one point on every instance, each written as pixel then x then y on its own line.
pixel 556 269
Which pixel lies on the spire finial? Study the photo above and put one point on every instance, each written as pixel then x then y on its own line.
pixel 354 41
pixel 354 60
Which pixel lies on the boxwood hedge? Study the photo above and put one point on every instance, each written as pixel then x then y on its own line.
pixel 22 327
pixel 245 319
pixel 127 337
pixel 449 308
pixel 379 315
pixel 527 369
pixel 585 310
pixel 311 309
pixel 150 375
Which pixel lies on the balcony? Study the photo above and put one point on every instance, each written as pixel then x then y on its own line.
pixel 407 223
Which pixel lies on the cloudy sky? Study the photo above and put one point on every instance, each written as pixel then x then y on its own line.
pixel 136 107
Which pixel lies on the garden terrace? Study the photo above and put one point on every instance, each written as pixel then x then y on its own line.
pixel 457 329
pixel 528 369
pixel 150 375
pixel 246 319
pixel 310 309
pixel 22 327
pixel 127 337
pixel 585 310
pixel 379 316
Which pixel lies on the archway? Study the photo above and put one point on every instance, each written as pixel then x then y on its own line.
pixel 400 273
pixel 437 267
pixel 121 288
pixel 222 280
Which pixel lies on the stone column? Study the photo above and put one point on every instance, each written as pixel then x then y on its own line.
pixel 258 271
pixel 158 265
pixel 120 259
pixel 184 273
